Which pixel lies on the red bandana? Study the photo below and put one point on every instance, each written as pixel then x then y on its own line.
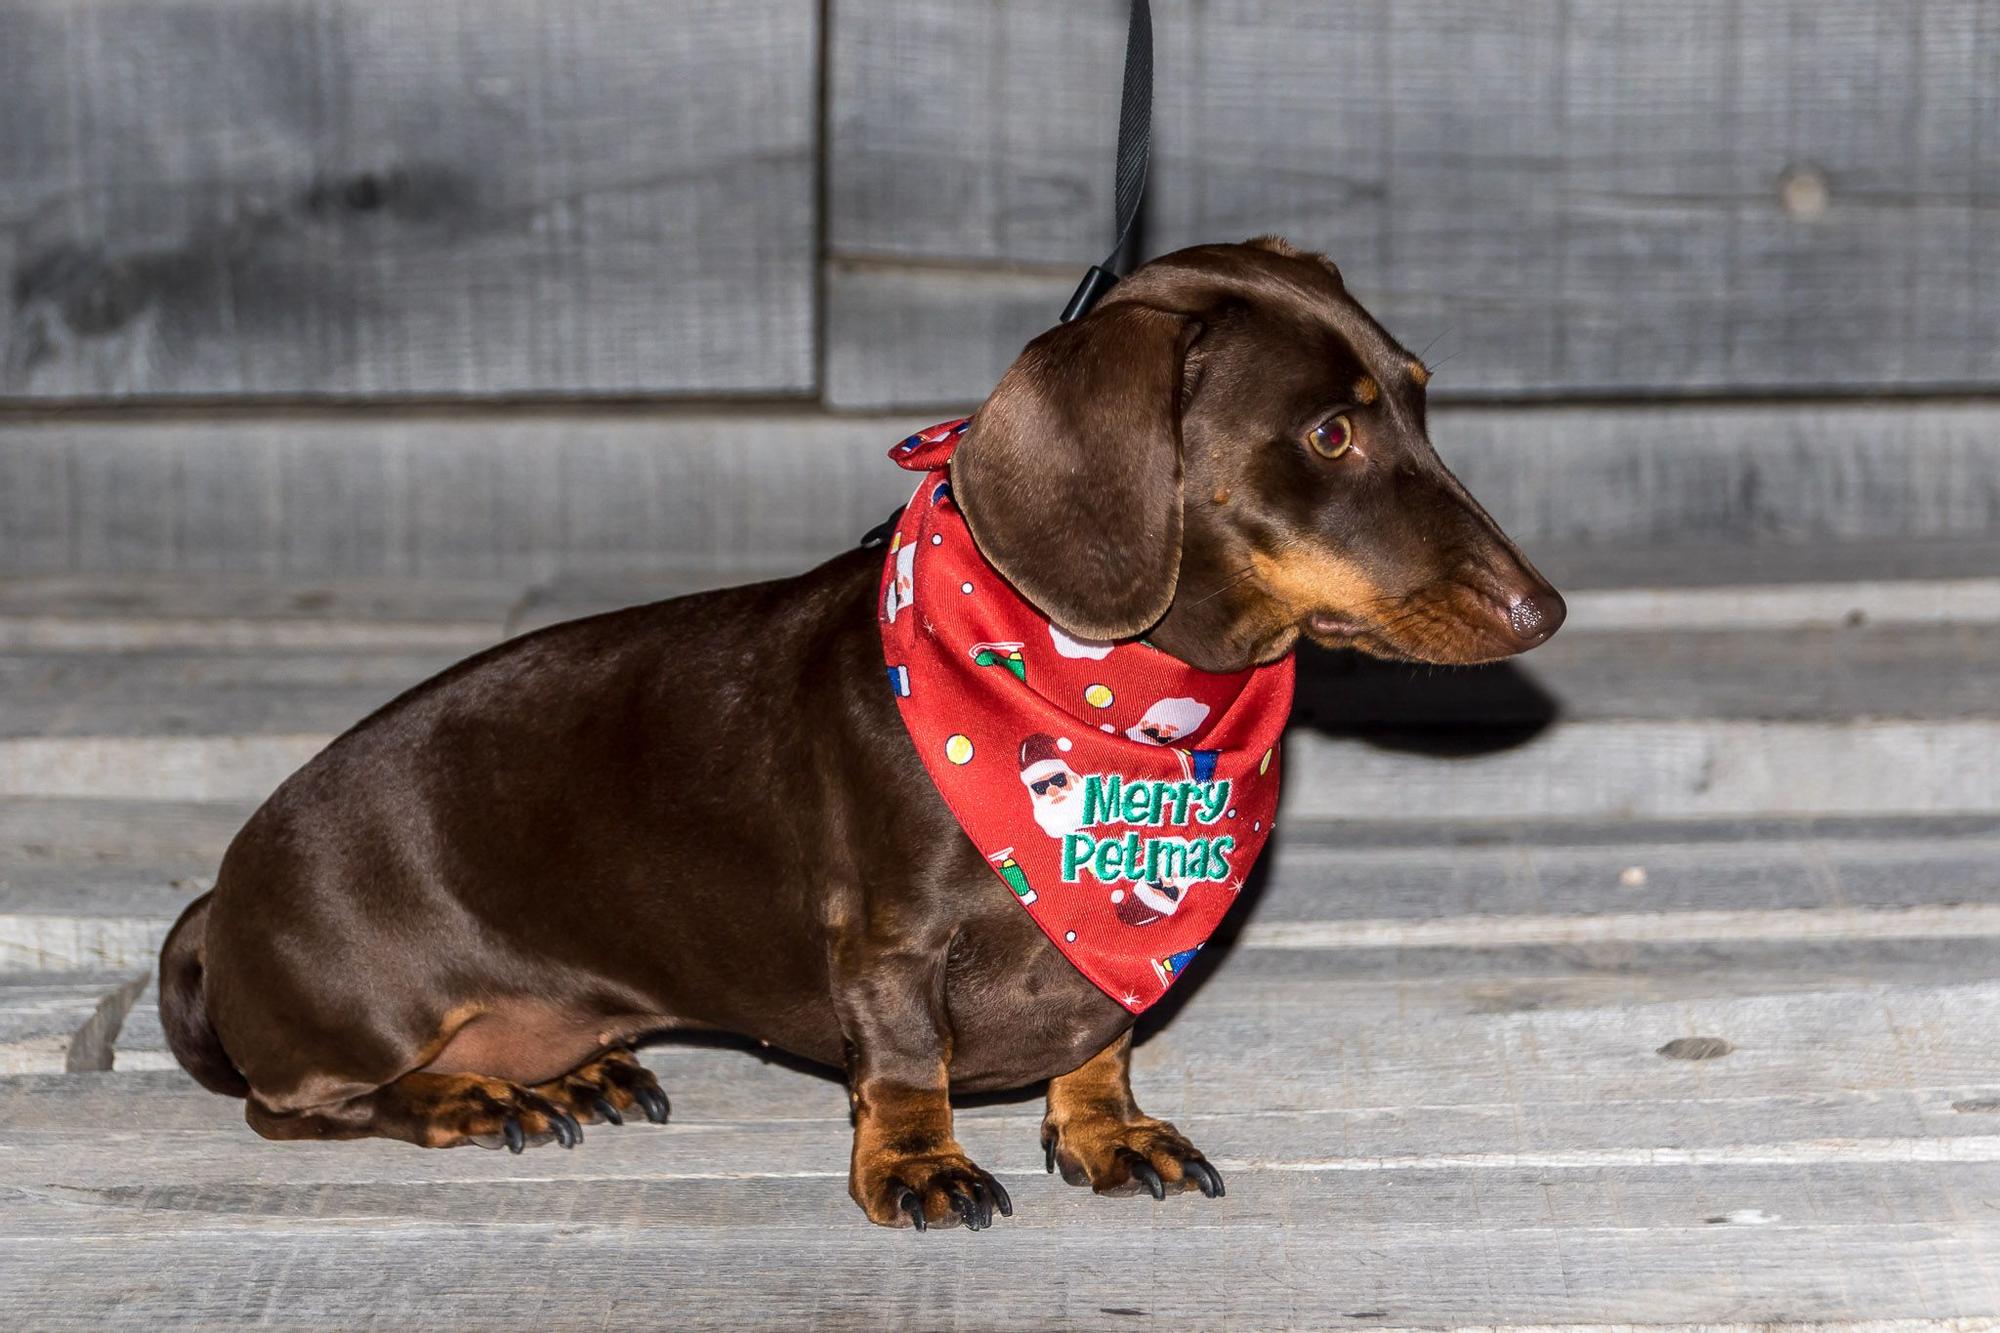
pixel 1121 794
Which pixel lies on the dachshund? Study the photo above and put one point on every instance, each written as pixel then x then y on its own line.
pixel 452 925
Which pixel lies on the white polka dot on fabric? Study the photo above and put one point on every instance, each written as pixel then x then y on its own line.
pixel 965 588
pixel 1118 895
pixel 1070 936
pixel 1064 744
pixel 1107 727
pixel 937 539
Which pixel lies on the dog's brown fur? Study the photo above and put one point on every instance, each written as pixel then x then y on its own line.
pixel 706 813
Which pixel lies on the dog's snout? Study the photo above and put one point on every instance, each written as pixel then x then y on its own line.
pixel 1532 616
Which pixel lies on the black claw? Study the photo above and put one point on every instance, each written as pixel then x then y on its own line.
pixel 962 1204
pixel 1000 1198
pixel 654 1102
pixel 1144 1173
pixel 1049 1155
pixel 1203 1175
pixel 609 1112
pixel 573 1125
pixel 913 1208
pixel 516 1139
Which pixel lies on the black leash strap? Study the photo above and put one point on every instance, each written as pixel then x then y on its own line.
pixel 1135 138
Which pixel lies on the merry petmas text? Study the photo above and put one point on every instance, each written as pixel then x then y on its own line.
pixel 1134 858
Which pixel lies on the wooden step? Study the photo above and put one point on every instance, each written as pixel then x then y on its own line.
pixel 1463 919
pixel 1855 719
pixel 56 1021
pixel 1846 1131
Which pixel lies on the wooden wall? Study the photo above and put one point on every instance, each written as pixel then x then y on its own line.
pixel 491 198
pixel 371 197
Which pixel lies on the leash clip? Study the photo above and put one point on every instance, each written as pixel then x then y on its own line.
pixel 1095 284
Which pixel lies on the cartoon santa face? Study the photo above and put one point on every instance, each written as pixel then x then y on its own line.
pixel 1169 720
pixel 1143 904
pixel 1052 785
pixel 902 588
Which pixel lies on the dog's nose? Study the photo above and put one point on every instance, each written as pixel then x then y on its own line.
pixel 1533 616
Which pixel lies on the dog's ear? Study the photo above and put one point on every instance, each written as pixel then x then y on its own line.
pixel 1070 476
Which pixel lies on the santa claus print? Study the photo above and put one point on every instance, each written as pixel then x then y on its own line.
pixel 1144 904
pixel 1169 720
pixel 1052 784
pixel 903 587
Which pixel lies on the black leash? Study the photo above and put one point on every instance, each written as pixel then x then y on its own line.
pixel 1135 138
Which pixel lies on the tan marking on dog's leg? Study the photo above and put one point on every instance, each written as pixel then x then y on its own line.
pixel 908 1169
pixel 1096 1135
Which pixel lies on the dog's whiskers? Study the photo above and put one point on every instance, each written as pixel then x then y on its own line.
pixel 1245 573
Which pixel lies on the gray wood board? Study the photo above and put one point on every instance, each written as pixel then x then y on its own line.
pixel 360 198
pixel 535 494
pixel 62 1021
pixel 1564 197
pixel 1325 887
pixel 604 1257
pixel 1833 676
pixel 1520 1167
pixel 1696 769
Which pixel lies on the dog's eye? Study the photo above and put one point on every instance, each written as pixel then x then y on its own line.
pixel 1333 437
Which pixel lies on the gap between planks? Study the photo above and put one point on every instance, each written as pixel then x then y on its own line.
pixel 1719 924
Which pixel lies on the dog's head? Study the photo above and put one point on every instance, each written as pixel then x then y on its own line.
pixel 1227 453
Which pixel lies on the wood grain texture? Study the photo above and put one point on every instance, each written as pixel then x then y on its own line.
pixel 358 198
pixel 1528 1167
pixel 1604 197
pixel 62 1021
pixel 537 494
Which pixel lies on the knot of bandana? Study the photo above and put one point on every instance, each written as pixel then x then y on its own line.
pixel 1121 794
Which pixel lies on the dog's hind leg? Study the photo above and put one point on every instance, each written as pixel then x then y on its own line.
pixel 436 1110
pixel 432 1111
pixel 606 1088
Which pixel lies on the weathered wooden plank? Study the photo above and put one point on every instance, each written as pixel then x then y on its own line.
pixel 1246 1042
pixel 1592 769
pixel 132 612
pixel 87 903
pixel 1660 770
pixel 1904 672
pixel 151 836
pixel 518 496
pixel 1607 197
pixel 347 197
pixel 532 494
pixel 51 1022
pixel 1089 1261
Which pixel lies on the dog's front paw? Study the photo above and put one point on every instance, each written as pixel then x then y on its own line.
pixel 1115 1156
pixel 924 1190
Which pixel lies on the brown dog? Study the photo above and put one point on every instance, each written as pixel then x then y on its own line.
pixel 450 925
